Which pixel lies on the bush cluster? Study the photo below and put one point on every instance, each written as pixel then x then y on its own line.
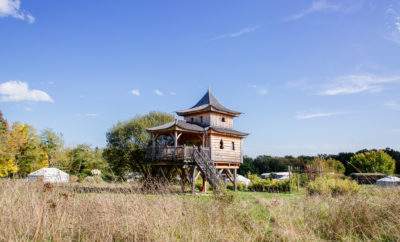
pixel 268 185
pixel 332 186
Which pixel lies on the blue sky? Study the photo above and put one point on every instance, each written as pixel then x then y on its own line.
pixel 310 76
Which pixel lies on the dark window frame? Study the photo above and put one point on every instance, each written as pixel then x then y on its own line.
pixel 221 144
pixel 233 145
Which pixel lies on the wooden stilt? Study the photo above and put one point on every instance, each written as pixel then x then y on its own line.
pixel 204 185
pixel 193 179
pixel 183 179
pixel 234 180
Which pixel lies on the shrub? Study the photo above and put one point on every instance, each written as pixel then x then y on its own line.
pixel 332 186
pixel 239 186
pixel 267 185
pixel 373 161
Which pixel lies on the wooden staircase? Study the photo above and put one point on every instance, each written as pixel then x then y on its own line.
pixel 206 166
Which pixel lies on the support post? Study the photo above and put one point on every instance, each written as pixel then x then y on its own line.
pixel 193 179
pixel 204 185
pixel 234 180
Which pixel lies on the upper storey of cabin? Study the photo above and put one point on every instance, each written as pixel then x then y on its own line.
pixel 209 112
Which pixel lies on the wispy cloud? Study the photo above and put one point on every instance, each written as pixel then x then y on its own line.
pixel 327 6
pixel 158 92
pixel 393 25
pixel 135 92
pixel 246 30
pixel 313 115
pixel 394 105
pixel 172 93
pixel 12 8
pixel 18 91
pixel 352 84
pixel 91 115
pixel 259 90
pixel 316 6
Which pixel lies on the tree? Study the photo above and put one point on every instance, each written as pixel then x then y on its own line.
pixel 3 123
pixel 325 165
pixel 82 159
pixel 396 156
pixel 247 166
pixel 264 163
pixel 52 143
pixel 24 145
pixel 127 141
pixel 373 161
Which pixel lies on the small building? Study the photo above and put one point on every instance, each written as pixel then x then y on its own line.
pixel 49 175
pixel 204 139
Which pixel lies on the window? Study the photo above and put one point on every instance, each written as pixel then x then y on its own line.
pixel 221 144
pixel 201 119
pixel 223 119
pixel 233 145
pixel 191 120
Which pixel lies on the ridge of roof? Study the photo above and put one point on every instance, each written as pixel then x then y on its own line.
pixel 208 100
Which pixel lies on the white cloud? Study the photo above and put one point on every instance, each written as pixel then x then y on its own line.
pixel 172 93
pixel 352 84
pixel 236 34
pixel 312 115
pixel 17 91
pixel 394 105
pixel 11 8
pixel 316 6
pixel 158 92
pixel 91 115
pixel 135 92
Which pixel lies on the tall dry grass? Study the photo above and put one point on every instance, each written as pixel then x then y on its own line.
pixel 35 212
pixel 372 215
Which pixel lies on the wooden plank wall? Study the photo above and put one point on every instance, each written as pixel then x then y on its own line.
pixel 227 154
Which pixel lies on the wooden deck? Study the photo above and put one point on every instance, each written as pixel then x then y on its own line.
pixel 173 154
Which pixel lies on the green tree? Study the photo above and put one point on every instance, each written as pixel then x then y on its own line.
pixel 247 166
pixel 3 123
pixel 326 165
pixel 82 159
pixel 52 143
pixel 396 156
pixel 373 161
pixel 127 141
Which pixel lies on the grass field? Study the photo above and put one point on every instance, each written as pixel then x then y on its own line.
pixel 36 212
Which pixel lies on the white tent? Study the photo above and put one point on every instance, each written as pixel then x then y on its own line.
pixel 388 181
pixel 50 175
pixel 244 180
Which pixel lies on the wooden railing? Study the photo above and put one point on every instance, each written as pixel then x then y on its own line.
pixel 171 153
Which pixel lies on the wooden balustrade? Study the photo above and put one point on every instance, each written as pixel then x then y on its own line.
pixel 172 153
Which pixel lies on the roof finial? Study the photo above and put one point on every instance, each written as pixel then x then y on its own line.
pixel 209 88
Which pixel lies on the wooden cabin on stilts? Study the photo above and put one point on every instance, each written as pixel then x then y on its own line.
pixel 204 143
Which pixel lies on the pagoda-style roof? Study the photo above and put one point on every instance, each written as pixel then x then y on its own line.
pixel 182 125
pixel 208 103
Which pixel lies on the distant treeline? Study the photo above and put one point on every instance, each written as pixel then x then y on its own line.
pixel 360 161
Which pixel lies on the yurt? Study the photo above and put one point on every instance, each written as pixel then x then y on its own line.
pixel 388 181
pixel 49 175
